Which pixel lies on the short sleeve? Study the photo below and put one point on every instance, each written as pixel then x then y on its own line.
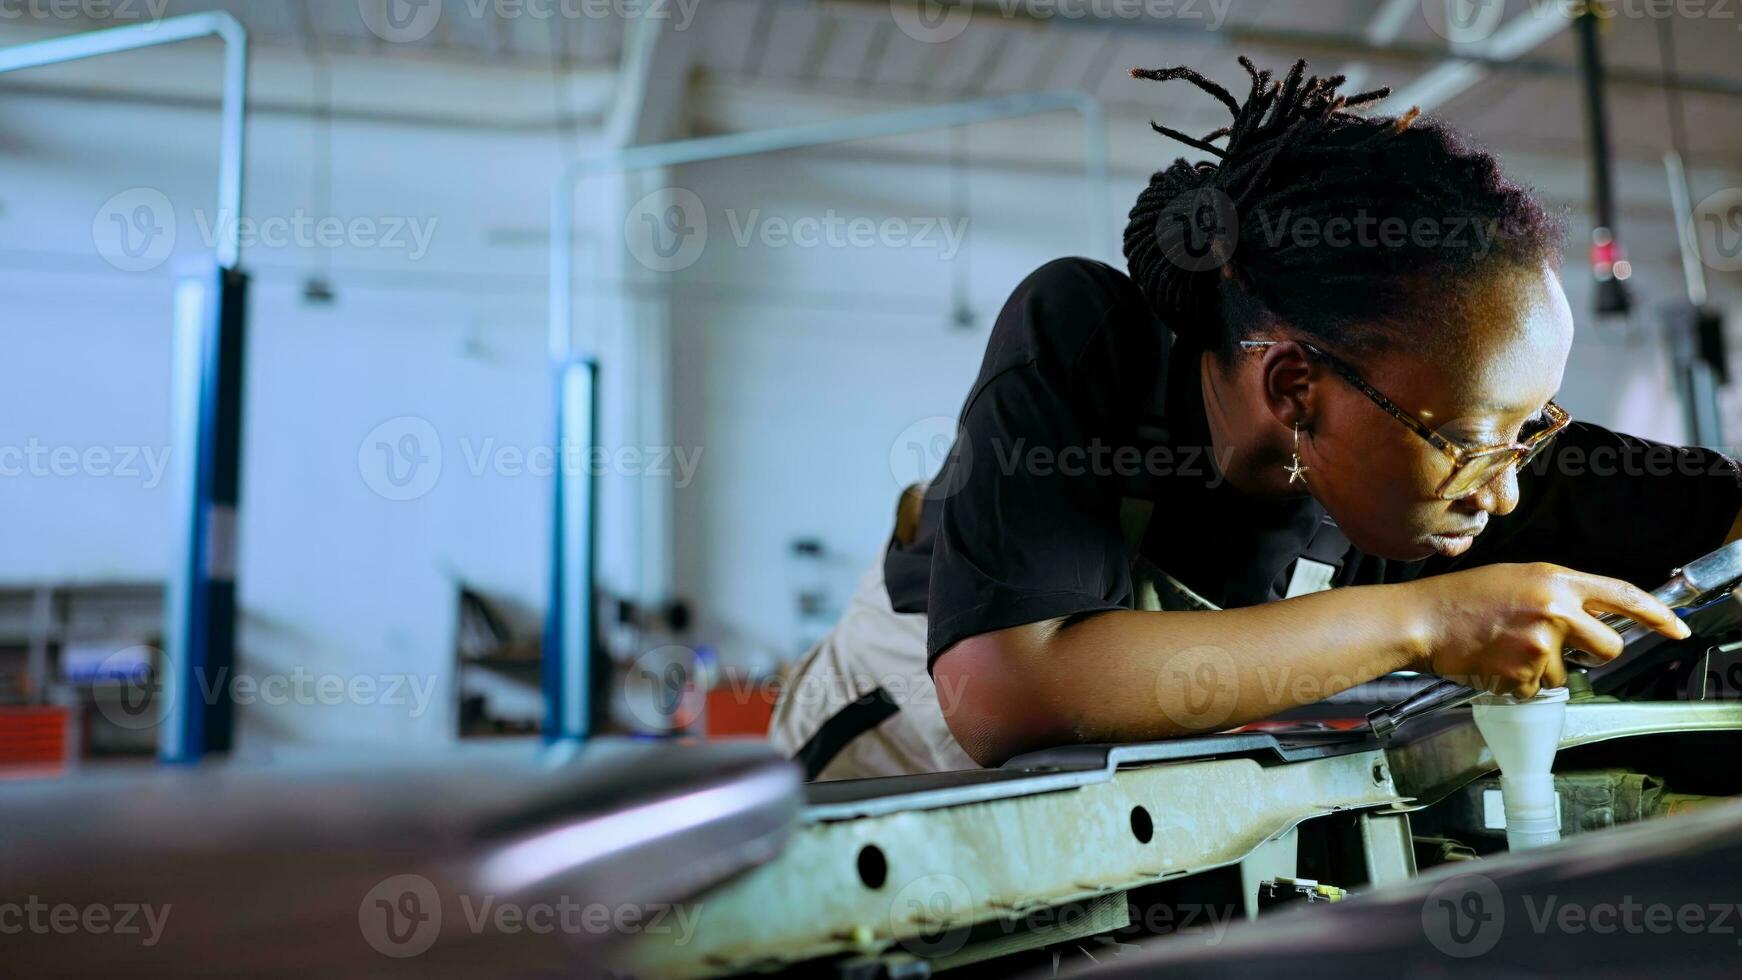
pixel 1027 530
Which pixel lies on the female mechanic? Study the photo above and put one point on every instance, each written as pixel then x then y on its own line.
pixel 1348 461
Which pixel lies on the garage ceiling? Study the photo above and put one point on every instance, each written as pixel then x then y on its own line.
pixel 858 48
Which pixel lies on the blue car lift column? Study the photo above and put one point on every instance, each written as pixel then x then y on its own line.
pixel 569 631
pixel 206 435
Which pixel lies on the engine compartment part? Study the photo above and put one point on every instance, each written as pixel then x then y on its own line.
pixel 987 872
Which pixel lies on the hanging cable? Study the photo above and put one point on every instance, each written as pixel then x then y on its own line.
pixel 961 312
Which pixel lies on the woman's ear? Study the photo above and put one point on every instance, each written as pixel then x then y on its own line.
pixel 1287 376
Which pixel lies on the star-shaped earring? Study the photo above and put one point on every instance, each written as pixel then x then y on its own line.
pixel 1296 472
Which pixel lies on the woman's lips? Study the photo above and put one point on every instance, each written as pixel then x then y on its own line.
pixel 1452 545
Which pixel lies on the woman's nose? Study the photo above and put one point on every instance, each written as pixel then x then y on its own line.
pixel 1498 496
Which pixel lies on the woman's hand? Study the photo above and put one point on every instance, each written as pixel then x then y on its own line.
pixel 1502 628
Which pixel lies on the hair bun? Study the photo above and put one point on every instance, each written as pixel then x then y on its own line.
pixel 1185 228
pixel 1182 233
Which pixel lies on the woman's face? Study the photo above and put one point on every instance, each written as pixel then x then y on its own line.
pixel 1378 478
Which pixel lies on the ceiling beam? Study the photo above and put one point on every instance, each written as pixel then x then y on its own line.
pixel 1334 45
pixel 1472 63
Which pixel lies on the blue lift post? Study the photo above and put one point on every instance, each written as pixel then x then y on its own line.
pixel 200 605
pixel 206 431
pixel 568 694
pixel 570 639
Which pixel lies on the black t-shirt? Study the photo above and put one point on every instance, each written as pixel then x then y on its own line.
pixel 1023 523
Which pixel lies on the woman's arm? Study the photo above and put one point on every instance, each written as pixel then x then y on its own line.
pixel 1132 676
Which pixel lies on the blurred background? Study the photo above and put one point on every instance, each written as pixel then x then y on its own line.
pixel 782 339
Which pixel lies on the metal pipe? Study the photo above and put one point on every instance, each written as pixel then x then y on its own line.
pixel 1606 253
pixel 729 145
pixel 231 150
pixel 1693 266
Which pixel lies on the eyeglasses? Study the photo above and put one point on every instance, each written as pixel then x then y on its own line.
pixel 1473 467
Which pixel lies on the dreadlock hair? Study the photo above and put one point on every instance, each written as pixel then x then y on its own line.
pixel 1222 249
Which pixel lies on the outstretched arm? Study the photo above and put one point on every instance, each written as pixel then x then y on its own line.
pixel 1126 675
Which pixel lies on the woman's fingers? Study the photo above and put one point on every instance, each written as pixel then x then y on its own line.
pixel 1586 632
pixel 1611 595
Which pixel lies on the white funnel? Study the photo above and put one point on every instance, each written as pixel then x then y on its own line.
pixel 1523 735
